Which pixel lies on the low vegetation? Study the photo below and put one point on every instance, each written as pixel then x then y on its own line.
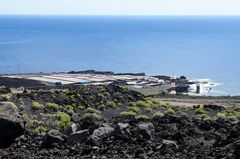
pixel 142 117
pixel 171 111
pixel 221 116
pixel 148 109
pixel 134 109
pixel 63 120
pixel 37 105
pixel 6 97
pixel 158 114
pixel 93 116
pixel 201 110
pixel 128 113
pixel 111 104
pixel 53 106
pixel 40 129
pixel 11 105
pixel 92 110
pixel 142 103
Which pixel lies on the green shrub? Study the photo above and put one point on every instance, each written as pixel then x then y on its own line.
pixel 93 116
pixel 2 87
pixel 34 117
pixel 106 94
pixel 102 106
pixel 92 110
pixel 143 104
pixel 68 111
pixel 52 105
pixel 69 108
pixel 63 120
pixel 134 109
pixel 36 122
pixel 143 117
pixel 133 104
pixel 65 91
pixel 101 96
pixel 208 118
pixel 158 114
pixel 119 104
pixel 53 90
pixel 233 119
pixel 10 104
pixel 111 104
pixel 168 104
pixel 156 101
pixel 87 115
pixel 40 129
pixel 82 107
pixel 129 113
pixel 201 110
pixel 49 115
pixel 221 116
pixel 171 111
pixel 236 108
pixel 153 101
pixel 230 111
pixel 36 105
pixel 6 97
pixel 148 109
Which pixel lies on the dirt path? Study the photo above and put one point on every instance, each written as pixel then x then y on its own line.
pixel 190 102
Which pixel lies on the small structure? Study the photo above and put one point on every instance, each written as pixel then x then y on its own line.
pixel 198 88
pixel 173 85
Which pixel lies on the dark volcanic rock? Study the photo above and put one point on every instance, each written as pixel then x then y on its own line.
pixel 51 138
pixel 75 117
pixel 236 153
pixel 186 138
pixel 11 124
pixel 71 129
pixel 101 133
pixel 214 107
pixel 146 130
pixel 122 131
pixel 77 137
pixel 140 153
pixel 168 145
pixel 19 82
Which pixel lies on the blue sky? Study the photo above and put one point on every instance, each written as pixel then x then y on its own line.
pixel 121 7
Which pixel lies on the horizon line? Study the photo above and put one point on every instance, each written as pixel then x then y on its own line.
pixel 135 15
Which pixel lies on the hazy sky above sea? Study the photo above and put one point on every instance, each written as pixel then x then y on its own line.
pixel 121 7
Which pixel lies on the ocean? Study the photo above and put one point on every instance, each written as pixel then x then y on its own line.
pixel 198 47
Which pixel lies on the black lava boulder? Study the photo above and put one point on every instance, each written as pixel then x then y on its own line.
pixel 146 130
pixel 168 145
pixel 52 138
pixel 78 137
pixel 11 124
pixel 100 134
pixel 122 131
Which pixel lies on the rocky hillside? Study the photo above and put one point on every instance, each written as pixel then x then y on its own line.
pixel 112 122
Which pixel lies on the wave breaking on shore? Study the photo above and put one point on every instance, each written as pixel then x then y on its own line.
pixel 206 87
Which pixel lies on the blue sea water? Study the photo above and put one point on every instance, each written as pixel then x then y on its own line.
pixel 194 46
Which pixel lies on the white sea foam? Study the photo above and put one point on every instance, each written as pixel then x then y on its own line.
pixel 207 87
